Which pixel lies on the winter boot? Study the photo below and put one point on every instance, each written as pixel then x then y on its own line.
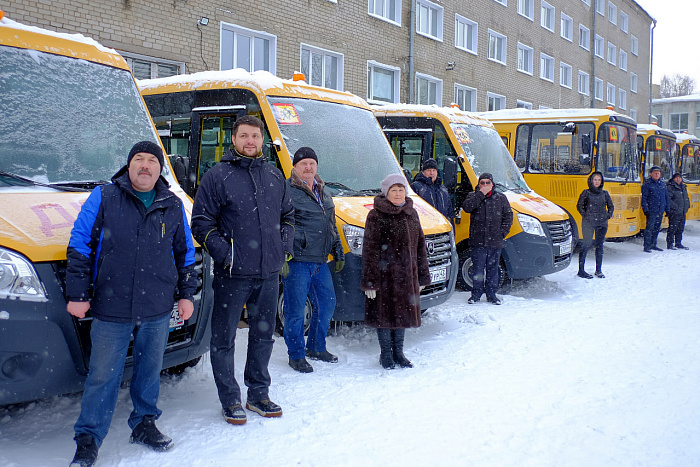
pixel 581 265
pixel 584 274
pixel 599 263
pixel 86 453
pixel 397 337
pixel 386 357
pixel 148 434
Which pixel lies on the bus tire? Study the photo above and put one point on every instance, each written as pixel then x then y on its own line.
pixel 464 281
pixel 279 321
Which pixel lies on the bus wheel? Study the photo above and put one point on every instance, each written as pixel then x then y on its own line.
pixel 464 280
pixel 279 325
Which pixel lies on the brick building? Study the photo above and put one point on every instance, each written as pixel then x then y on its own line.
pixel 481 54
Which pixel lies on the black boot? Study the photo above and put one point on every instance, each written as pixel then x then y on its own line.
pixel 86 453
pixel 386 357
pixel 148 434
pixel 582 263
pixel 397 337
pixel 599 262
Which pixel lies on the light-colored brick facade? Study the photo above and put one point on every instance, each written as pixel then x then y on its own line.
pixel 169 30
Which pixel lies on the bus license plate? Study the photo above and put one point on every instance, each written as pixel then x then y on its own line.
pixel 565 248
pixel 175 321
pixel 632 227
pixel 438 274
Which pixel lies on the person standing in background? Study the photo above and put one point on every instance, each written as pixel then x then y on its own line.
pixel 595 207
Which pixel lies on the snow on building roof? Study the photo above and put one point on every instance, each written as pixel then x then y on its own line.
pixel 669 100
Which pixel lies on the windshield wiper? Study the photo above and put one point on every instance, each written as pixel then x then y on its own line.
pixel 341 187
pixel 87 185
pixel 28 181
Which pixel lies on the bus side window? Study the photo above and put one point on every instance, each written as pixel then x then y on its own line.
pixel 521 147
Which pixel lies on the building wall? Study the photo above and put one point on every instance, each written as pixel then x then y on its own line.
pixel 169 30
pixel 672 109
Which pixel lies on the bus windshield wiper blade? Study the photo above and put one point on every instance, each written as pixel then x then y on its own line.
pixel 33 182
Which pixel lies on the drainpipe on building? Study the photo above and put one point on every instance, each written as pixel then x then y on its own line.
pixel 411 35
pixel 651 66
pixel 591 85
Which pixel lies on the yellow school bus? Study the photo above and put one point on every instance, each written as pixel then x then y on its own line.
pixel 688 164
pixel 539 241
pixel 71 111
pixel 194 115
pixel 657 147
pixel 557 149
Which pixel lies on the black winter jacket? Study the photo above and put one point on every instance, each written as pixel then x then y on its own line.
pixel 315 232
pixel 136 258
pixel 434 193
pixel 490 218
pixel 654 197
pixel 243 216
pixel 595 204
pixel 678 198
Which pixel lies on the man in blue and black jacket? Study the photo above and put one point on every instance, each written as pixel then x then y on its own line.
pixel 130 251
pixel 654 204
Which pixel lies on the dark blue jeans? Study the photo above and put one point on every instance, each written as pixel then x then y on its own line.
pixel 651 232
pixel 260 298
pixel 110 342
pixel 484 263
pixel 314 280
pixel 587 241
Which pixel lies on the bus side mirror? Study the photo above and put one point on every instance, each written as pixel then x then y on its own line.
pixel 640 146
pixel 407 174
pixel 181 165
pixel 586 144
pixel 449 173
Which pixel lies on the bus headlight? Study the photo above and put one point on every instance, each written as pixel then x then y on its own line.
pixel 531 225
pixel 354 236
pixel 18 278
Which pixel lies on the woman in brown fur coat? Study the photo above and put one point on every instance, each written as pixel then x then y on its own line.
pixel 394 269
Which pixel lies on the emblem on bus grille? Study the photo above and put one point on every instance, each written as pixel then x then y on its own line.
pixel 430 246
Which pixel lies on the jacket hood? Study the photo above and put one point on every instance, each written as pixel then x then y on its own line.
pixel 590 182
pixel 428 181
pixel 382 204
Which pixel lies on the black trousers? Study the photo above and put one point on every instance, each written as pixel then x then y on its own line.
pixel 592 236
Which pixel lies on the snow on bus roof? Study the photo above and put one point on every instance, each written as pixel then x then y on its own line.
pixel 453 114
pixel 561 114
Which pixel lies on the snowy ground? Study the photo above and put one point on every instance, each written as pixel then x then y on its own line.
pixel 567 372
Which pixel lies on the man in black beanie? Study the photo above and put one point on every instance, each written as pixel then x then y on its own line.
pixel 428 185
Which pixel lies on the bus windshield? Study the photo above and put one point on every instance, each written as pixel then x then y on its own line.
pixel 353 154
pixel 486 152
pixel 617 153
pixel 689 165
pixel 67 120
pixel 659 153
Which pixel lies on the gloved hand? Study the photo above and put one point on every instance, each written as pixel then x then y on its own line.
pixel 371 294
pixel 339 265
pixel 285 269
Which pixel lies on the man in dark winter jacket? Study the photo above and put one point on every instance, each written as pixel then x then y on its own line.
pixel 490 220
pixel 308 274
pixel 244 218
pixel 595 207
pixel 654 204
pixel 429 186
pixel 131 244
pixel 679 203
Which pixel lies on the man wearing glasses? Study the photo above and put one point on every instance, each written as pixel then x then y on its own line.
pixel 490 221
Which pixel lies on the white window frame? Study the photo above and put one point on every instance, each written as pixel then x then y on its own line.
pixel 503 50
pixel 371 66
pixel 584 37
pixel 622 60
pixel 612 13
pixel 565 75
pixel 543 18
pixel 599 47
pixel 523 104
pixel 622 96
pixel 433 9
pixel 624 22
pixel 566 27
pixel 598 89
pixel 153 61
pixel 461 20
pixel 497 97
pixel 633 82
pixel 232 42
pixel 526 8
pixel 429 80
pixel 610 94
pixel 472 100
pixel 523 49
pixel 612 53
pixel 633 114
pixel 544 58
pixel 634 45
pixel 587 2
pixel 600 7
pixel 584 83
pixel 384 5
pixel 340 66
pixel 678 117
pixel 502 2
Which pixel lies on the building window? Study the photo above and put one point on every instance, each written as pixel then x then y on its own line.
pixel 547 16
pixel 382 82
pixel 502 2
pixel 587 2
pixel 546 67
pixel 583 83
pixel 497 47
pixel 495 101
pixel 524 58
pixel 565 75
pixel 634 46
pixel 322 67
pixel 623 60
pixel 610 94
pixel 600 7
pixel 697 119
pixel 526 8
pixel 429 19
pixel 465 97
pixel 624 22
pixel 584 37
pixel 679 123
pixel 612 13
pixel 428 90
pixel 623 99
pixel 633 114
pixel 598 89
pixel 523 104
pixel 633 83
pixel 659 120
pixel 567 27
pixel 598 45
pixel 466 32
pixel 612 53
pixel 145 67
pixel 247 49
pixel 387 10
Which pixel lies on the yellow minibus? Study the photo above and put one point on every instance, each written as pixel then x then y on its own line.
pixel 688 164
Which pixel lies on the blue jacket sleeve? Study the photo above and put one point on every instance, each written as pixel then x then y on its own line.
pixel 183 251
pixel 84 248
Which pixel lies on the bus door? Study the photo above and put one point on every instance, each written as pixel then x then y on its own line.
pixel 410 147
